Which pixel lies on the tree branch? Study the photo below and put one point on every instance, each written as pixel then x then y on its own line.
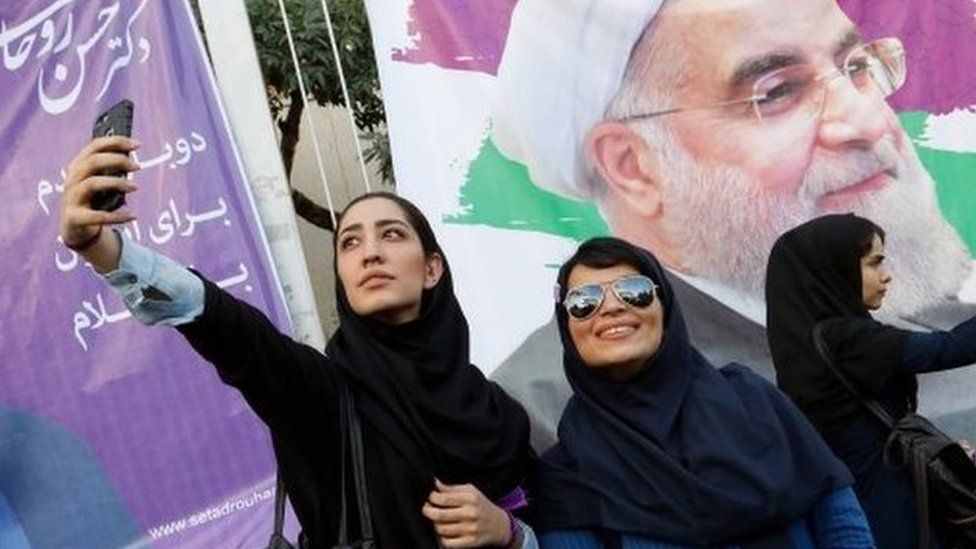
pixel 290 127
pixel 305 207
pixel 310 211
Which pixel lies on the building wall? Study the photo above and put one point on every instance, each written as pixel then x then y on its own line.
pixel 345 183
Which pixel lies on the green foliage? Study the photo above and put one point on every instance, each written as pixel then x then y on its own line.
pixel 378 151
pixel 311 38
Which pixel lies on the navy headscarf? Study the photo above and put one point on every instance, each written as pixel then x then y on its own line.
pixel 682 452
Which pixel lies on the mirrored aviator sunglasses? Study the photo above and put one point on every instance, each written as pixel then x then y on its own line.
pixel 633 290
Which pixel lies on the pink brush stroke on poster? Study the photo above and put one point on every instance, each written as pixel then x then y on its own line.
pixel 458 34
pixel 940 43
pixel 939 37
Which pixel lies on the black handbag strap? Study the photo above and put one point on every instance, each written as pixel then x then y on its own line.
pixel 278 540
pixel 352 430
pixel 279 516
pixel 918 472
pixel 343 436
pixel 828 358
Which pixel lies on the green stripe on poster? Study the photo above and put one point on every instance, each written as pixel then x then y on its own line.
pixel 497 192
pixel 954 174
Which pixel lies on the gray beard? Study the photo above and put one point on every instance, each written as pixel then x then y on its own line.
pixel 723 225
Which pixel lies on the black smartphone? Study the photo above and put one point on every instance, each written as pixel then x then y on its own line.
pixel 115 121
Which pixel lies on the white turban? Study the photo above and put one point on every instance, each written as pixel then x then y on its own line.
pixel 563 63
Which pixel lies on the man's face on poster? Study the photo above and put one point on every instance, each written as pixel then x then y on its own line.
pixel 709 188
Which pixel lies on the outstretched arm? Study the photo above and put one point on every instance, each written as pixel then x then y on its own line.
pixel 937 351
pixel 272 371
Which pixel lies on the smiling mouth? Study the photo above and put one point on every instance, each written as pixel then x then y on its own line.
pixel 617 332
pixel 840 197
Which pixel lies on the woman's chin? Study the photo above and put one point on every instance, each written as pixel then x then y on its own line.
pixel 620 366
pixel 388 311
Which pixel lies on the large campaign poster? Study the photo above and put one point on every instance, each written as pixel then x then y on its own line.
pixel 112 433
pixel 700 130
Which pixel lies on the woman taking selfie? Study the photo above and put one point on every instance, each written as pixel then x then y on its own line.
pixel 659 449
pixel 831 272
pixel 440 443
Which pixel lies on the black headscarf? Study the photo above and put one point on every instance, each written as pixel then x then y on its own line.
pixel 682 452
pixel 414 384
pixel 814 275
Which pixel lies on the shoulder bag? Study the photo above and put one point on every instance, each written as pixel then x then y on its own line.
pixel 943 474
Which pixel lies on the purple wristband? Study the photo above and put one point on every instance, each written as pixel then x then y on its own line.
pixel 513 500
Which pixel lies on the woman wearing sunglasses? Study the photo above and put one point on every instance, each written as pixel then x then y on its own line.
pixel 657 448
pixel 831 272
pixel 440 444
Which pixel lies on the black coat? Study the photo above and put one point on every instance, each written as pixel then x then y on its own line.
pixel 294 389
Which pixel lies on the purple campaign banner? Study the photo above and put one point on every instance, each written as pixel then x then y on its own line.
pixel 111 432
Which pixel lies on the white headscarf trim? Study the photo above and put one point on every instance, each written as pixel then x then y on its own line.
pixel 564 61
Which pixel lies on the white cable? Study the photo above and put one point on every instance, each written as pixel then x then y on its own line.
pixel 308 112
pixel 345 93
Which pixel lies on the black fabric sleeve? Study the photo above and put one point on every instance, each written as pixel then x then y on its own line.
pixel 937 351
pixel 866 351
pixel 279 377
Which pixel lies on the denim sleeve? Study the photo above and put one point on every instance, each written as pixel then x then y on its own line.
pixel 155 289
pixel 838 522
pixel 529 540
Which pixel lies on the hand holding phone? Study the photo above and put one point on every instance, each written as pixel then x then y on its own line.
pixel 115 121
pixel 80 226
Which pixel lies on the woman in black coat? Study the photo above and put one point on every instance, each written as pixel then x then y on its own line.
pixel 440 442
pixel 831 271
